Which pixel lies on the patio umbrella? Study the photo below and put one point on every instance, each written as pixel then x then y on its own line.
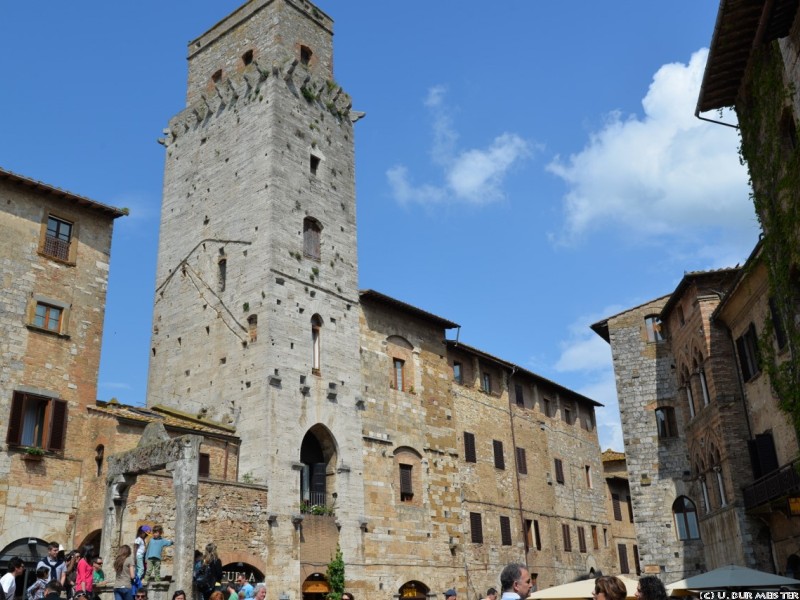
pixel 578 590
pixel 730 576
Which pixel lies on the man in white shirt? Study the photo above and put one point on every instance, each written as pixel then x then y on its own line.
pixel 9 580
pixel 515 581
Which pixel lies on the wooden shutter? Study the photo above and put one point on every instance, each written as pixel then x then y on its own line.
pixel 595 541
pixel 204 465
pixel 581 539
pixel 406 487
pixel 566 536
pixel 528 534
pixel 630 508
pixel 623 559
pixel 469 447
pixel 617 509
pixel 636 559
pixel 537 535
pixel 58 425
pixel 559 471
pixel 499 459
pixel 476 527
pixel 14 437
pixel 522 463
pixel 505 531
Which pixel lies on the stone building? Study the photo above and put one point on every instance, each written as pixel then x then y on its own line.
pixel 330 416
pixel 623 529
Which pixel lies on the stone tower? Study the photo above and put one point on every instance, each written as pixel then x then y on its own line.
pixel 256 316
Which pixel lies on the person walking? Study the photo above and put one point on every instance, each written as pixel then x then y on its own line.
pixel 124 572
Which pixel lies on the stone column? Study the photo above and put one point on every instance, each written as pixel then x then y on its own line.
pixel 184 479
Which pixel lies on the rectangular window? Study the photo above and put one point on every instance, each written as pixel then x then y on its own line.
pixel 747 348
pixel 499 459
pixel 204 465
pixel 37 422
pixel 518 395
pixel 57 238
pixel 548 407
pixel 617 509
pixel 566 536
pixel 665 422
pixel 777 324
pixel 48 317
pixel 636 559
pixel 623 559
pixel 476 528
pixel 559 471
pixel 536 535
pixel 605 537
pixel 588 470
pixel 567 416
pixel 505 531
pixel 595 540
pixel 581 540
pixel 312 231
pixel 522 463
pixel 528 534
pixel 399 367
pixel 486 383
pixel 630 508
pixel 406 486
pixel 458 375
pixel 469 447
pixel 654 329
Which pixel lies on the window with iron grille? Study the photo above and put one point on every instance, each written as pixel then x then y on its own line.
pixel 476 528
pixel 37 422
pixel 469 447
pixel 57 238
pixel 505 531
pixel 406 483
pixel 499 459
pixel 522 463
pixel 559 471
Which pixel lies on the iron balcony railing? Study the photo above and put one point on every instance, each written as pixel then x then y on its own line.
pixel 782 482
pixel 56 248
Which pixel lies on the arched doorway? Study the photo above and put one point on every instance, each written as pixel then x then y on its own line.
pixel 318 476
pixel 232 570
pixel 316 587
pixel 793 566
pixel 414 590
pixel 93 540
pixel 31 551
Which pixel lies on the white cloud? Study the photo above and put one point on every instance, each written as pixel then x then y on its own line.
pixel 474 176
pixel 667 173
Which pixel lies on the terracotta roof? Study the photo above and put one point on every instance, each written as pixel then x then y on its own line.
pixel 611 455
pixel 509 365
pixel 388 300
pixel 741 25
pixel 172 419
pixel 112 211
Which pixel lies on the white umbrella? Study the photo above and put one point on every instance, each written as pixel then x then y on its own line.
pixel 578 590
pixel 730 576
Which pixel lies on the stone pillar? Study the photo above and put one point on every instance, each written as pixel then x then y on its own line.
pixel 184 479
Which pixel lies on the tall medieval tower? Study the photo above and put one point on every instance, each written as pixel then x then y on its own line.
pixel 256 317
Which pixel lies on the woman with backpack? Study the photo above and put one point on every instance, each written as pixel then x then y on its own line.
pixel 210 572
pixel 124 573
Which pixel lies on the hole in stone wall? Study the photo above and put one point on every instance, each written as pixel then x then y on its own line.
pixel 216 76
pixel 247 57
pixel 305 55
pixel 314 164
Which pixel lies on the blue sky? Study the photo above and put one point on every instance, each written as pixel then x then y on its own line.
pixel 524 169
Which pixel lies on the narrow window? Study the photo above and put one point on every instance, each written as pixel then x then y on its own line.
pixel 505 531
pixel 58 238
pixel 777 324
pixel 595 540
pixel 567 416
pixel 630 508
pixel 247 58
pixel 685 519
pixel 37 422
pixel 559 471
pixel 316 327
pixel 252 327
pixel 397 374
pixel 653 326
pixel 636 559
pixel 48 317
pixel 723 500
pixel 476 528
pixel 406 486
pixel 536 535
pixel 522 463
pixel 222 274
pixel 581 540
pixel 312 232
pixel 518 395
pixel 704 387
pixel 99 455
pixel 499 459
pixel 548 408
pixel 469 447
pixel 605 537
pixel 681 318
pixel 747 348
pixel 665 422
pixel 204 465
pixel 305 55
pixel 616 506
pixel 528 534
pixel 623 558
pixel 687 384
pixel 588 471
pixel 566 537
pixel 706 497
pixel 314 164
pixel 486 383
pixel 458 376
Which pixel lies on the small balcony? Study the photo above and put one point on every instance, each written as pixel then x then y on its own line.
pixel 783 482
pixel 56 248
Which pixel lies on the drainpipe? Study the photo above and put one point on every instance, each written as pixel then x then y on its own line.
pixel 516 466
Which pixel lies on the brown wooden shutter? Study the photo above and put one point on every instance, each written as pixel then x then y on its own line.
pixel 537 535
pixel 630 508
pixel 476 527
pixel 469 447
pixel 522 463
pixel 58 425
pixel 499 459
pixel 559 471
pixel 204 465
pixel 14 437
pixel 406 487
pixel 617 509
pixel 505 531
pixel 636 559
pixel 581 539
pixel 566 536
pixel 528 534
pixel 623 559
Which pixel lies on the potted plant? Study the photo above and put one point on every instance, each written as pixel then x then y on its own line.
pixel 33 454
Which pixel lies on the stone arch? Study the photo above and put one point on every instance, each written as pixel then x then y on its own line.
pixel 316 587
pixel 238 564
pixel 31 550
pixel 413 590
pixel 318 457
pixel 93 539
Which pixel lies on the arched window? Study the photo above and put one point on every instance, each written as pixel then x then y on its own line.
pixel 704 386
pixel 316 326
pixel 665 421
pixel 654 328
pixel 312 232
pixel 685 514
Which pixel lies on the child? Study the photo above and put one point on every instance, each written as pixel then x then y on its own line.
pixel 154 549
pixel 36 591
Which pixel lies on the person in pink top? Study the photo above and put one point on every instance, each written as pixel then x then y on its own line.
pixel 83 582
